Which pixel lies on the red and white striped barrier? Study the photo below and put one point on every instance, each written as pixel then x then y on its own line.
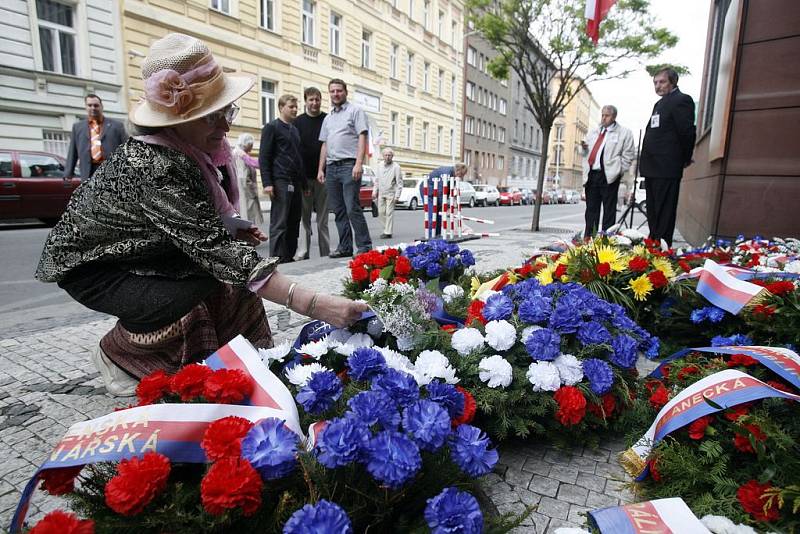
pixel 446 220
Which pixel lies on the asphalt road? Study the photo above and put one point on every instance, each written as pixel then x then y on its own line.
pixel 26 303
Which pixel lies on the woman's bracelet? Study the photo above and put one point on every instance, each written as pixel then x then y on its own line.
pixel 312 305
pixel 290 295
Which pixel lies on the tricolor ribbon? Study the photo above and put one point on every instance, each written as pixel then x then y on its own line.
pixel 661 516
pixel 740 273
pixel 725 389
pixel 726 291
pixel 782 361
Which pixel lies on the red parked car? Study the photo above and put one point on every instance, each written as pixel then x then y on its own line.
pixel 33 185
pixel 510 196
pixel 365 194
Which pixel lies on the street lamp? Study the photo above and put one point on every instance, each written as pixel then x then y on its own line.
pixel 458 67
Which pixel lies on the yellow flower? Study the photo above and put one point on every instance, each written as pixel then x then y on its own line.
pixel 639 250
pixel 545 276
pixel 474 284
pixel 606 254
pixel 512 277
pixel 564 278
pixel 564 258
pixel 641 287
pixel 664 265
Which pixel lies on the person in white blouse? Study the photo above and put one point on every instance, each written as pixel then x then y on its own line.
pixel 388 185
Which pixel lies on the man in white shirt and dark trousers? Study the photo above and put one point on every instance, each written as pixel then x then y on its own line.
pixel 609 152
pixel 388 186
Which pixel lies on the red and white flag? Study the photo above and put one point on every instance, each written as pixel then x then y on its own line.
pixel 596 11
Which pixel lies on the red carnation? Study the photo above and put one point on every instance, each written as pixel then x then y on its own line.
pixel 653 464
pixel 391 253
pixel 469 408
pixel 779 386
pixel 560 271
pixel 228 386
pixel 697 430
pixel 475 312
pixel 781 287
pixel 742 443
pixel 449 328
pixel 138 482
pixel 688 370
pixel 751 497
pixel 400 280
pixel 402 267
pixel 358 273
pixel 737 412
pixel 374 275
pixel 224 436
pixel 231 483
pixel 658 279
pixel 153 387
pixel 59 522
pixel 189 381
pixel 658 397
pixel 525 270
pixel 742 359
pixel 665 369
pixel 763 311
pixel 638 264
pixel 604 410
pixel 60 481
pixel 754 261
pixel 603 269
pixel 571 405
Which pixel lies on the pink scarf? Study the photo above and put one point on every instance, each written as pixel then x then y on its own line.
pixel 224 200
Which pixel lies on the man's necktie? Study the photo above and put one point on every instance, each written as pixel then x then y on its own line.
pixel 97 147
pixel 596 147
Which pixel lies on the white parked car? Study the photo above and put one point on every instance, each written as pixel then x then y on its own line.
pixel 467 193
pixel 486 195
pixel 409 196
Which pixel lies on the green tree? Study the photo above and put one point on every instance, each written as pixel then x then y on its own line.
pixel 545 43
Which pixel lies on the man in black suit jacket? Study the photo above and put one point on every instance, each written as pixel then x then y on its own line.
pixel 666 150
pixel 93 139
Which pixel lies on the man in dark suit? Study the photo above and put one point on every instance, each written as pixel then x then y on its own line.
pixel 93 139
pixel 666 150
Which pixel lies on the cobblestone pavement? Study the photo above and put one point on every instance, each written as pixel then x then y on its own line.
pixel 47 384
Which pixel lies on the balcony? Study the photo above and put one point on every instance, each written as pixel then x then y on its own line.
pixel 310 53
pixel 338 63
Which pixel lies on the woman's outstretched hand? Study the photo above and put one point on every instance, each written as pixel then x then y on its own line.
pixel 338 311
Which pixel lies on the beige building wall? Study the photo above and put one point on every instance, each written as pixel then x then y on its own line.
pixel 569 129
pixel 282 63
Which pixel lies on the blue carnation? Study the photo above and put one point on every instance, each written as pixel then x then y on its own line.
pixel 452 512
pixel 452 263
pixel 714 314
pixel 698 316
pixel 433 270
pixel 624 351
pixel 324 517
pixel 601 310
pixel 271 448
pixel 544 344
pixel 365 362
pixel 342 442
pixel 600 375
pixel 565 319
pixel 375 407
pixel 735 339
pixel 535 309
pixel 447 396
pixel 498 307
pixel 467 258
pixel 322 390
pixel 653 347
pixel 666 307
pixel 400 386
pixel 594 333
pixel 452 249
pixel 427 423
pixel 471 452
pixel 620 319
pixel 393 459
pixel 419 263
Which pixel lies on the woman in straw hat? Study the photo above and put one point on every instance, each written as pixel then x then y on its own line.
pixel 153 237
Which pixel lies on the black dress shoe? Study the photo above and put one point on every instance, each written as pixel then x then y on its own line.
pixel 363 250
pixel 340 254
pixel 286 260
pixel 386 236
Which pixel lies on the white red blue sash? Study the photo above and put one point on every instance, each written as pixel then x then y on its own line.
pixel 782 361
pixel 724 290
pixel 742 273
pixel 661 516
pixel 724 389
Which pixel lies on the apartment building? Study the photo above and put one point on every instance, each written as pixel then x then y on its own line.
pixel 526 140
pixel 565 160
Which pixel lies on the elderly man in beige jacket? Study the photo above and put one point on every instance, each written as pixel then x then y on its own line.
pixel 609 152
pixel 388 185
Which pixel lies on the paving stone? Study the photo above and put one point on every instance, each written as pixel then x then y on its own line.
pixel 553 508
pixel 555 524
pixel 564 473
pixel 540 523
pixel 497 489
pixel 599 455
pixel 504 498
pixel 599 500
pixel 555 456
pixel 592 482
pixel 583 464
pixel 537 467
pixel 511 508
pixel 544 486
pixel 575 512
pixel 512 459
pixel 528 497
pixel 572 494
pixel 517 478
pixel 609 470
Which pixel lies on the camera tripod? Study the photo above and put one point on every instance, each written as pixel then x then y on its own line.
pixel 626 219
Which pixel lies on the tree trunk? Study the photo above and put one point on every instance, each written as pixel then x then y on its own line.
pixel 537 206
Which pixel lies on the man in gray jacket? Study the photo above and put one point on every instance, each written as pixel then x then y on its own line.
pixel 93 139
pixel 387 189
pixel 609 152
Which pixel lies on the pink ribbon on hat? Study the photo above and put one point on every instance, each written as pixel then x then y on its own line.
pixel 171 90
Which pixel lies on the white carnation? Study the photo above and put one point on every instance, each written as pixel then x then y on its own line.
pixel 500 335
pixel 543 376
pixel 405 343
pixel 452 292
pixel 299 375
pixel 276 353
pixel 340 335
pixel 622 240
pixel 792 267
pixel 495 371
pixel 633 234
pixel 395 360
pixel 356 341
pixel 722 525
pixel 569 369
pixel 483 297
pixel 467 340
pixel 433 364
pixel 315 349
pixel 526 333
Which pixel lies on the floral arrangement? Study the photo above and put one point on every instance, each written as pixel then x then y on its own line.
pixel 387 264
pixel 765 255
pixel 389 457
pixel 438 259
pixel 742 463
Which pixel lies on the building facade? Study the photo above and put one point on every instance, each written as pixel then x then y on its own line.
pixel 486 116
pixel 51 55
pixel 526 140
pixel 565 159
pixel 399 59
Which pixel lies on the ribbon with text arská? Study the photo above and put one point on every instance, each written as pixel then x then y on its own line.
pixel 661 516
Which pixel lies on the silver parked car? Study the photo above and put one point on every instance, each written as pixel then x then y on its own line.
pixel 467 194
pixel 486 195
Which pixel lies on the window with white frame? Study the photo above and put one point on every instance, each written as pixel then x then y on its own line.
pixel 425 139
pixel 394 117
pixel 501 161
pixel 426 9
pixel 223 6
pixel 366 49
pixel 268 14
pixel 501 135
pixel 452 88
pixel 394 51
pixel 516 129
pixel 335 37
pixel 467 157
pixel 411 9
pixel 480 96
pixel 469 125
pixel 309 14
pixel 440 87
pixel 409 132
pixel 453 33
pixel 410 68
pixel 470 91
pixel 426 77
pixel 439 139
pixel 480 62
pixel 452 141
pixel 524 133
pixel 57 37
pixel 503 105
pixel 471 53
pixel 268 92
pixel 56 142
pixel 440 25
pixel 559 132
